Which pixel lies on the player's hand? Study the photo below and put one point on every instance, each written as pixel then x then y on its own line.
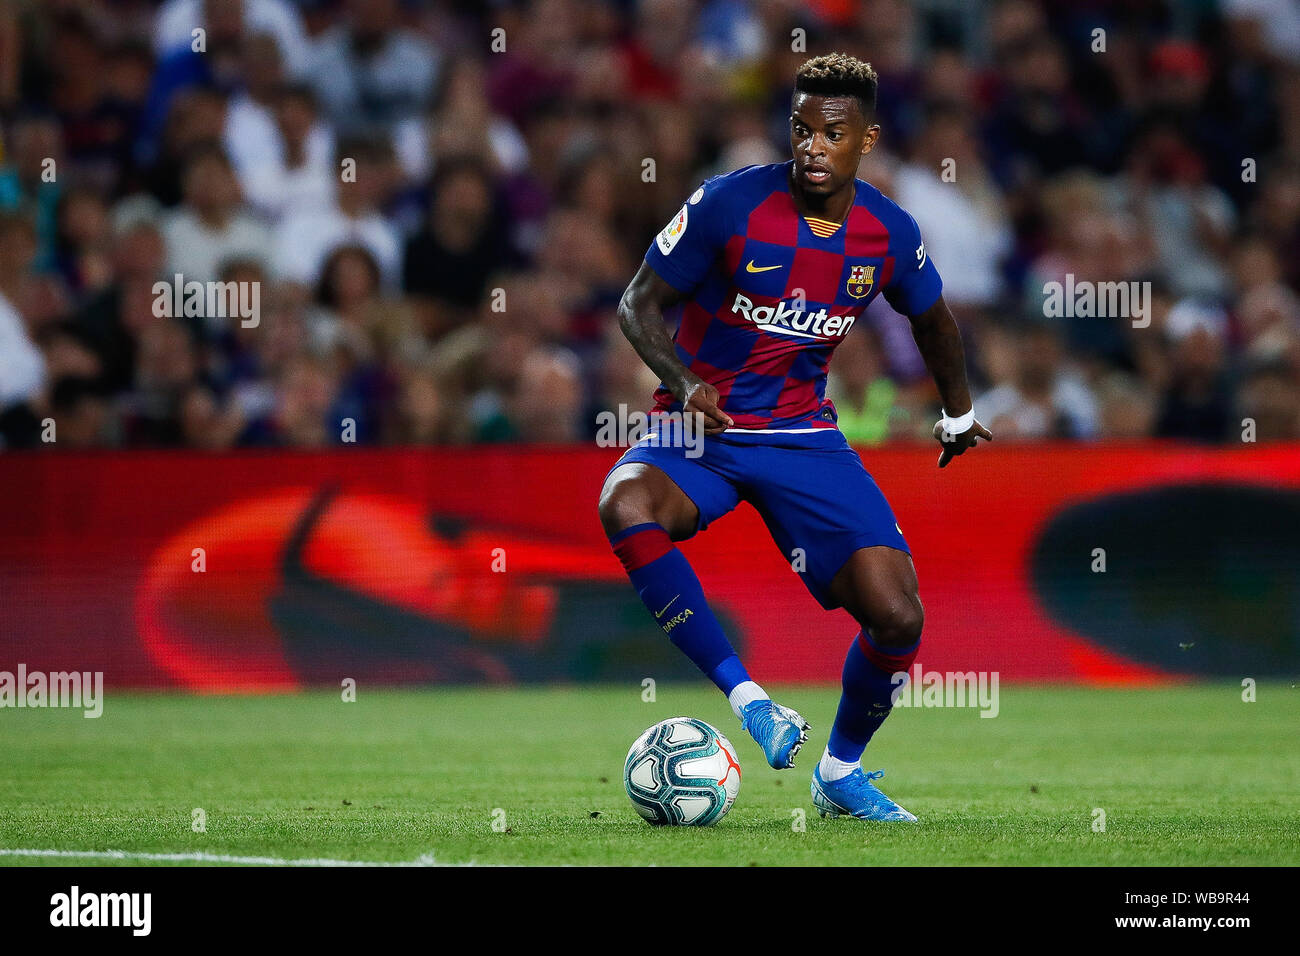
pixel 703 398
pixel 954 445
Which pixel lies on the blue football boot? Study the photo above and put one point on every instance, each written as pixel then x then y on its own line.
pixel 778 730
pixel 855 796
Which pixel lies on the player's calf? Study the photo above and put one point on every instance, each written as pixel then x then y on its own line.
pixel 869 681
pixel 878 587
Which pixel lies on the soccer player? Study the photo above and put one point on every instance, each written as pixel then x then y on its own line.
pixel 772 266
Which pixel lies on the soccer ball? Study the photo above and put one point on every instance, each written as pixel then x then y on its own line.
pixel 682 772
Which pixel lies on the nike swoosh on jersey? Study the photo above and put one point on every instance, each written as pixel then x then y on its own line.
pixel 750 267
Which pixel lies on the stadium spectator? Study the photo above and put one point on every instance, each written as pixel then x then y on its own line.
pixel 210 56
pixel 82 411
pixel 1197 402
pixel 305 391
pixel 1266 401
pixel 1041 397
pixel 547 401
pixel 212 224
pixel 450 260
pixel 250 137
pixel 306 236
pixel 22 367
pixel 426 413
pixel 1128 407
pixel 83 241
pixel 29 181
pixel 462 124
pixel 966 227
pixel 296 170
pixel 371 73
pixel 176 21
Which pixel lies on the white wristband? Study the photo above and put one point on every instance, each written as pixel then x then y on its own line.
pixel 960 424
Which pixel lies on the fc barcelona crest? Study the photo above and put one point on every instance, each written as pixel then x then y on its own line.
pixel 860 280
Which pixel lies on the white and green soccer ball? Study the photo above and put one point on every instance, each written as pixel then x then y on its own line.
pixel 682 772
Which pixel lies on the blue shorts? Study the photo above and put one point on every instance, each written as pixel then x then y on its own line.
pixel 811 490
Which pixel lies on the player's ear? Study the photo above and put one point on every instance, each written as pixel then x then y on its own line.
pixel 869 138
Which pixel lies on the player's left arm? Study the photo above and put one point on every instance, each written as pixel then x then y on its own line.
pixel 939 342
pixel 916 291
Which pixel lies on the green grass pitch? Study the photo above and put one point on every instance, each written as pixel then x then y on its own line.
pixel 1185 775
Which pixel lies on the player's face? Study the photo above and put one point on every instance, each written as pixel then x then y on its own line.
pixel 828 136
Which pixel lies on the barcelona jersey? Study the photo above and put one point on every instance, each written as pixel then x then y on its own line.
pixel 770 293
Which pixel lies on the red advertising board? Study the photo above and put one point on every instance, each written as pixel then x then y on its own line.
pixel 270 570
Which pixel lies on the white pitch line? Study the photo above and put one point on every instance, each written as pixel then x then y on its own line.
pixel 425 859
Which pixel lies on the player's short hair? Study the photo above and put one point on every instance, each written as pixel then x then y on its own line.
pixel 838 74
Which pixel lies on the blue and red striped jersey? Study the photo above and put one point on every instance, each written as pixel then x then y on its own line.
pixel 771 293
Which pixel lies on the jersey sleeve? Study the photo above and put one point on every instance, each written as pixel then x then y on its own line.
pixel 686 249
pixel 915 284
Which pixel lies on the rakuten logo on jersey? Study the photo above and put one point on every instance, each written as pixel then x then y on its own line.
pixel 799 323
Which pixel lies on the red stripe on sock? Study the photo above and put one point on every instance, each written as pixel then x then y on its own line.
pixel 889 663
pixel 638 550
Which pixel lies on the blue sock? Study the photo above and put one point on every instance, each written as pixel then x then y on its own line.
pixel 729 674
pixel 670 590
pixel 866 701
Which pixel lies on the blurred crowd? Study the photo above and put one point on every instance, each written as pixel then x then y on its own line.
pixel 440 204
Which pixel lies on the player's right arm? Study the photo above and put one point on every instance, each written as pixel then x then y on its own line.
pixel 641 317
pixel 678 260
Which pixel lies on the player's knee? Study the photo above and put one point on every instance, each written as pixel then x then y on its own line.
pixel 908 620
pixel 623 504
pixel 901 623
